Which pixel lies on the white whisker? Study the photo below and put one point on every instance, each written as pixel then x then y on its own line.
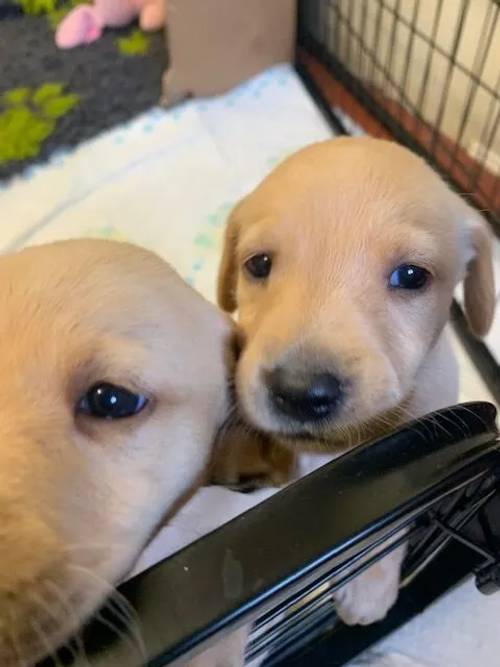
pixel 15 643
pixel 118 604
pixel 51 650
pixel 70 611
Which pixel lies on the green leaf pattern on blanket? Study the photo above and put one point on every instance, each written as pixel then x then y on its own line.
pixel 108 232
pixel 28 116
pixel 209 238
pixel 208 241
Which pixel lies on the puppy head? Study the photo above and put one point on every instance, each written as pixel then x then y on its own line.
pixel 113 375
pixel 342 266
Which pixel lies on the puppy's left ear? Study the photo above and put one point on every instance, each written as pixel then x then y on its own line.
pixel 228 268
pixel 479 281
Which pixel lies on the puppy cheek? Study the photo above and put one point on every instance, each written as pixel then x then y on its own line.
pixel 376 388
pixel 251 312
pixel 412 334
pixel 247 385
pixel 251 392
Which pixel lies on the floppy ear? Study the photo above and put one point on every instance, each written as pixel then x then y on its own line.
pixel 479 282
pixel 228 269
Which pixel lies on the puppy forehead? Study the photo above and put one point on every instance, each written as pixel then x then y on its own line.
pixel 355 193
pixel 345 218
pixel 88 282
pixel 123 309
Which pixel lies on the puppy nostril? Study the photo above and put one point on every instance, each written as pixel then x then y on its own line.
pixel 311 398
pixel 323 393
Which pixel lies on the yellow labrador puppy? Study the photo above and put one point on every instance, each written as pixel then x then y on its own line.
pixel 113 387
pixel 342 266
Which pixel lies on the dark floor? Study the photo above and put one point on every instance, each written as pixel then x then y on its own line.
pixel 111 87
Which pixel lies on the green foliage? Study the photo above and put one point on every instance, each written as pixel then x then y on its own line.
pixel 37 7
pixel 59 106
pixel 16 96
pixel 21 134
pixel 55 10
pixel 135 44
pixel 29 116
pixel 46 91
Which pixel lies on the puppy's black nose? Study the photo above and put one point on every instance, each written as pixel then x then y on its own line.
pixel 309 398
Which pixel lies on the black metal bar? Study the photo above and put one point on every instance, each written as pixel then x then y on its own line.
pixel 432 543
pixel 376 45
pixel 330 116
pixel 364 12
pixel 349 22
pixel 484 553
pixel 334 11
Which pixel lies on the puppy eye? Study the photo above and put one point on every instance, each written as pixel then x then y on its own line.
pixel 108 401
pixel 259 266
pixel 409 276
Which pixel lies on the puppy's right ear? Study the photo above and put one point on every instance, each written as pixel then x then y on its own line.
pixel 228 268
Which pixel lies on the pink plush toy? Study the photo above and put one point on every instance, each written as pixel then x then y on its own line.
pixel 85 23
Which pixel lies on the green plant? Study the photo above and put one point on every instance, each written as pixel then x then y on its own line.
pixel 29 116
pixel 37 7
pixel 135 44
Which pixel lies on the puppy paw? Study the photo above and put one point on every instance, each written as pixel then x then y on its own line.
pixel 228 652
pixel 367 598
pixel 363 601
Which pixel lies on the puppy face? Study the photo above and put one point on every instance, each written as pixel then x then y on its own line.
pixel 342 265
pixel 113 375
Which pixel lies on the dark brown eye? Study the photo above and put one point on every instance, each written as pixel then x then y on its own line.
pixel 259 266
pixel 108 401
pixel 409 277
